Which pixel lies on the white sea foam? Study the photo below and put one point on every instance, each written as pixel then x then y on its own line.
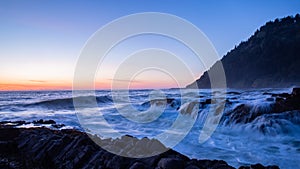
pixel 257 136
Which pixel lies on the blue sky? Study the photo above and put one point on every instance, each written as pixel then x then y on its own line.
pixel 41 40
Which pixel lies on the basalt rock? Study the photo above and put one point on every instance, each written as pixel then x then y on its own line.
pixel 43 148
pixel 288 102
pixel 282 103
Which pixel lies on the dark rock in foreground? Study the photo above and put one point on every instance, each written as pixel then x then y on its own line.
pixel 39 148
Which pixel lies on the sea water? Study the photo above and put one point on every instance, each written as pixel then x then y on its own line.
pixel 268 138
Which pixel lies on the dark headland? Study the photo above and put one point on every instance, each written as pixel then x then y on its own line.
pixel 269 58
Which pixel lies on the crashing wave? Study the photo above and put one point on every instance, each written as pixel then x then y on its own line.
pixel 190 108
pixel 67 103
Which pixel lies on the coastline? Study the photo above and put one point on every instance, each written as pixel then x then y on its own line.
pixel 68 148
pixel 54 144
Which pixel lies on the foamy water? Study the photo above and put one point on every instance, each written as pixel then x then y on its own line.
pixel 259 136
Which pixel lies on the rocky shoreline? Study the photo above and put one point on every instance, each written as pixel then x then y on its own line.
pixel 43 148
pixel 54 146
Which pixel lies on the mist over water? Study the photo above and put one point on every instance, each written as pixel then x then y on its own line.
pixel 248 132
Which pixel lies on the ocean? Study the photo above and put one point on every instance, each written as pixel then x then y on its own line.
pixel 247 131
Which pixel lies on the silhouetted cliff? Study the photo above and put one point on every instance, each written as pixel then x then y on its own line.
pixel 269 58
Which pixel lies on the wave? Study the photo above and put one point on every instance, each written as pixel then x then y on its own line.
pixel 274 124
pixel 246 113
pixel 259 117
pixel 169 103
pixel 262 118
pixel 67 103
pixel 269 113
pixel 190 108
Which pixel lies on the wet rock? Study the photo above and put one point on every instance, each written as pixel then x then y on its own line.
pixel 278 99
pixel 190 108
pixel 171 163
pixel 214 164
pixel 246 113
pixel 41 121
pixel 137 165
pixel 241 114
pixel 272 167
pixel 57 125
pixel 162 102
pixel 289 103
pixel 67 149
pixel 296 91
pixel 208 101
pixel 284 95
pixel 10 124
pixel 192 167
pixel 258 166
pixel 233 93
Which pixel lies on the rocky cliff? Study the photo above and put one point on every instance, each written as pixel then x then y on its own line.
pixel 269 58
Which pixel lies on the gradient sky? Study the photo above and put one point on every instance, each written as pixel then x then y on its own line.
pixel 40 41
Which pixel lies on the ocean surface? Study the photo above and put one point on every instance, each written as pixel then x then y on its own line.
pixel 259 136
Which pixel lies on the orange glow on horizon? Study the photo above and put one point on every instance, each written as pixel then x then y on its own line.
pixel 35 86
pixel 105 85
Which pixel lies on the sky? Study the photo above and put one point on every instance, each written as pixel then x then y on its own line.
pixel 40 41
